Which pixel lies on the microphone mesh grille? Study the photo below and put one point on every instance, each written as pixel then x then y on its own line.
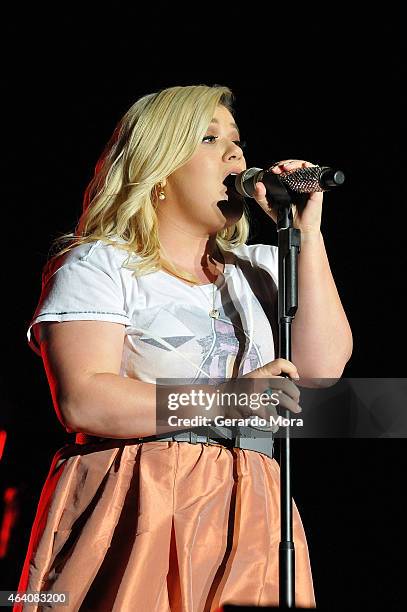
pixel 303 180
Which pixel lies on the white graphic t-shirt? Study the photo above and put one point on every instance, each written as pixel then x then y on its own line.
pixel 169 333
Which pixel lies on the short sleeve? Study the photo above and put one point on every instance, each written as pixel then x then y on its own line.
pixel 265 256
pixel 86 285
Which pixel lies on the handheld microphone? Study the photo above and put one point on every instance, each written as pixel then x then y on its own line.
pixel 302 180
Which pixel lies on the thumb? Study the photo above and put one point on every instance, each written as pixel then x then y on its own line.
pixel 280 366
pixel 260 194
pixel 260 197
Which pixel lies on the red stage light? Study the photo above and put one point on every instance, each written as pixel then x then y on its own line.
pixel 3 438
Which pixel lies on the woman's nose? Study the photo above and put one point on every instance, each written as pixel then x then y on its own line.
pixel 234 151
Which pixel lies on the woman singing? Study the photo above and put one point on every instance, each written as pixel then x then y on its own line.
pixel 157 283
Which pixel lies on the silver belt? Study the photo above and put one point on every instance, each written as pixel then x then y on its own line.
pixel 260 445
pixel 242 437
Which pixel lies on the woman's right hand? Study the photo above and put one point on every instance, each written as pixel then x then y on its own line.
pixel 281 389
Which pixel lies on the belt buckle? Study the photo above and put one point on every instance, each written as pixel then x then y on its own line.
pixel 236 438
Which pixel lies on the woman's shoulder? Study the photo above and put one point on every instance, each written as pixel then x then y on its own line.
pixel 114 250
pixel 97 253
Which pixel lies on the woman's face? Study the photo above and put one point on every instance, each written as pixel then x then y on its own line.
pixel 195 194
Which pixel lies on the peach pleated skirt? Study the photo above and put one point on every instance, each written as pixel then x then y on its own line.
pixel 159 527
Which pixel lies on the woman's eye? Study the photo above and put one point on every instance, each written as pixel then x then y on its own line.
pixel 240 143
pixel 206 137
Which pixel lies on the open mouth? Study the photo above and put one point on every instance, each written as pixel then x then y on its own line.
pixel 229 183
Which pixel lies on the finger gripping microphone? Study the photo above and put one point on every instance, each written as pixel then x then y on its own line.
pixel 302 180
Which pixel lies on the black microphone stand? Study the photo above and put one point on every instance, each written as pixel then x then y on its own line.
pixel 289 242
pixel 281 194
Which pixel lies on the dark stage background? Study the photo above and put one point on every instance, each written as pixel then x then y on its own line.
pixel 328 91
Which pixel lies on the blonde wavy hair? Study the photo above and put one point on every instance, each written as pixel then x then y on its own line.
pixel 155 137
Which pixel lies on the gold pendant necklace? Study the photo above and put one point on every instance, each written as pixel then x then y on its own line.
pixel 187 276
pixel 214 313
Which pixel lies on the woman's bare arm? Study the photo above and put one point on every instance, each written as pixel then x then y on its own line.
pixel 82 360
